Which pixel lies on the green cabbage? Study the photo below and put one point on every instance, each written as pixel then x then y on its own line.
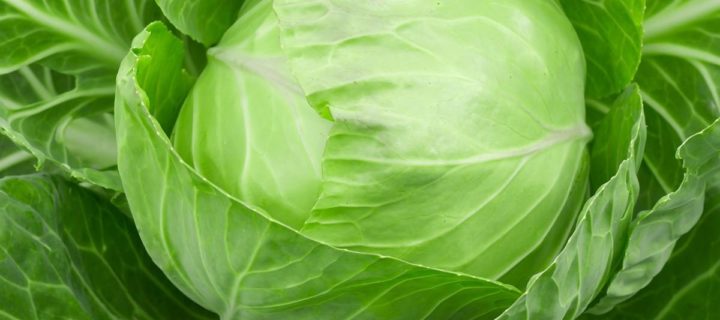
pixel 431 133
pixel 344 159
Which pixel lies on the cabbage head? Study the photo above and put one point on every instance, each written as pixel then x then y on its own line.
pixel 420 133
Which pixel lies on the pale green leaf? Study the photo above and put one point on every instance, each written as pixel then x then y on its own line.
pixel 431 145
pixel 166 93
pixel 247 127
pixel 241 263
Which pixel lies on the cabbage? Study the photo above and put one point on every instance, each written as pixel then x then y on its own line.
pixel 340 159
pixel 420 140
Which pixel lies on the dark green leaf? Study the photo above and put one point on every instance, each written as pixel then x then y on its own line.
pixel 66 254
pixel 203 20
pixel 611 34
pixel 688 287
pixel 57 76
pixel 680 81
pixel 14 160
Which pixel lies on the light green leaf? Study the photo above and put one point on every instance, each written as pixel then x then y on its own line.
pixel 203 20
pixel 611 35
pixel 65 254
pixel 656 231
pixel 241 263
pixel 431 145
pixel 566 288
pixel 166 93
pixel 247 92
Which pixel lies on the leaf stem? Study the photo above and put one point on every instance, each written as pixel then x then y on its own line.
pixel 673 17
pixel 14 159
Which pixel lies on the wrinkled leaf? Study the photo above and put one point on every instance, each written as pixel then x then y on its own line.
pixel 64 120
pixel 566 288
pixel 680 81
pixel 656 231
pixel 688 285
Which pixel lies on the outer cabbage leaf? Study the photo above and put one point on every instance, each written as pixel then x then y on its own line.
pixel 611 34
pixel 679 77
pixel 687 287
pixel 246 125
pixel 56 79
pixel 567 287
pixel 65 254
pixel 62 119
pixel 240 263
pixel 656 231
pixel 436 133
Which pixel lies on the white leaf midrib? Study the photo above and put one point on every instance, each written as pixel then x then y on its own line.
pixel 60 99
pixel 681 51
pixel 578 132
